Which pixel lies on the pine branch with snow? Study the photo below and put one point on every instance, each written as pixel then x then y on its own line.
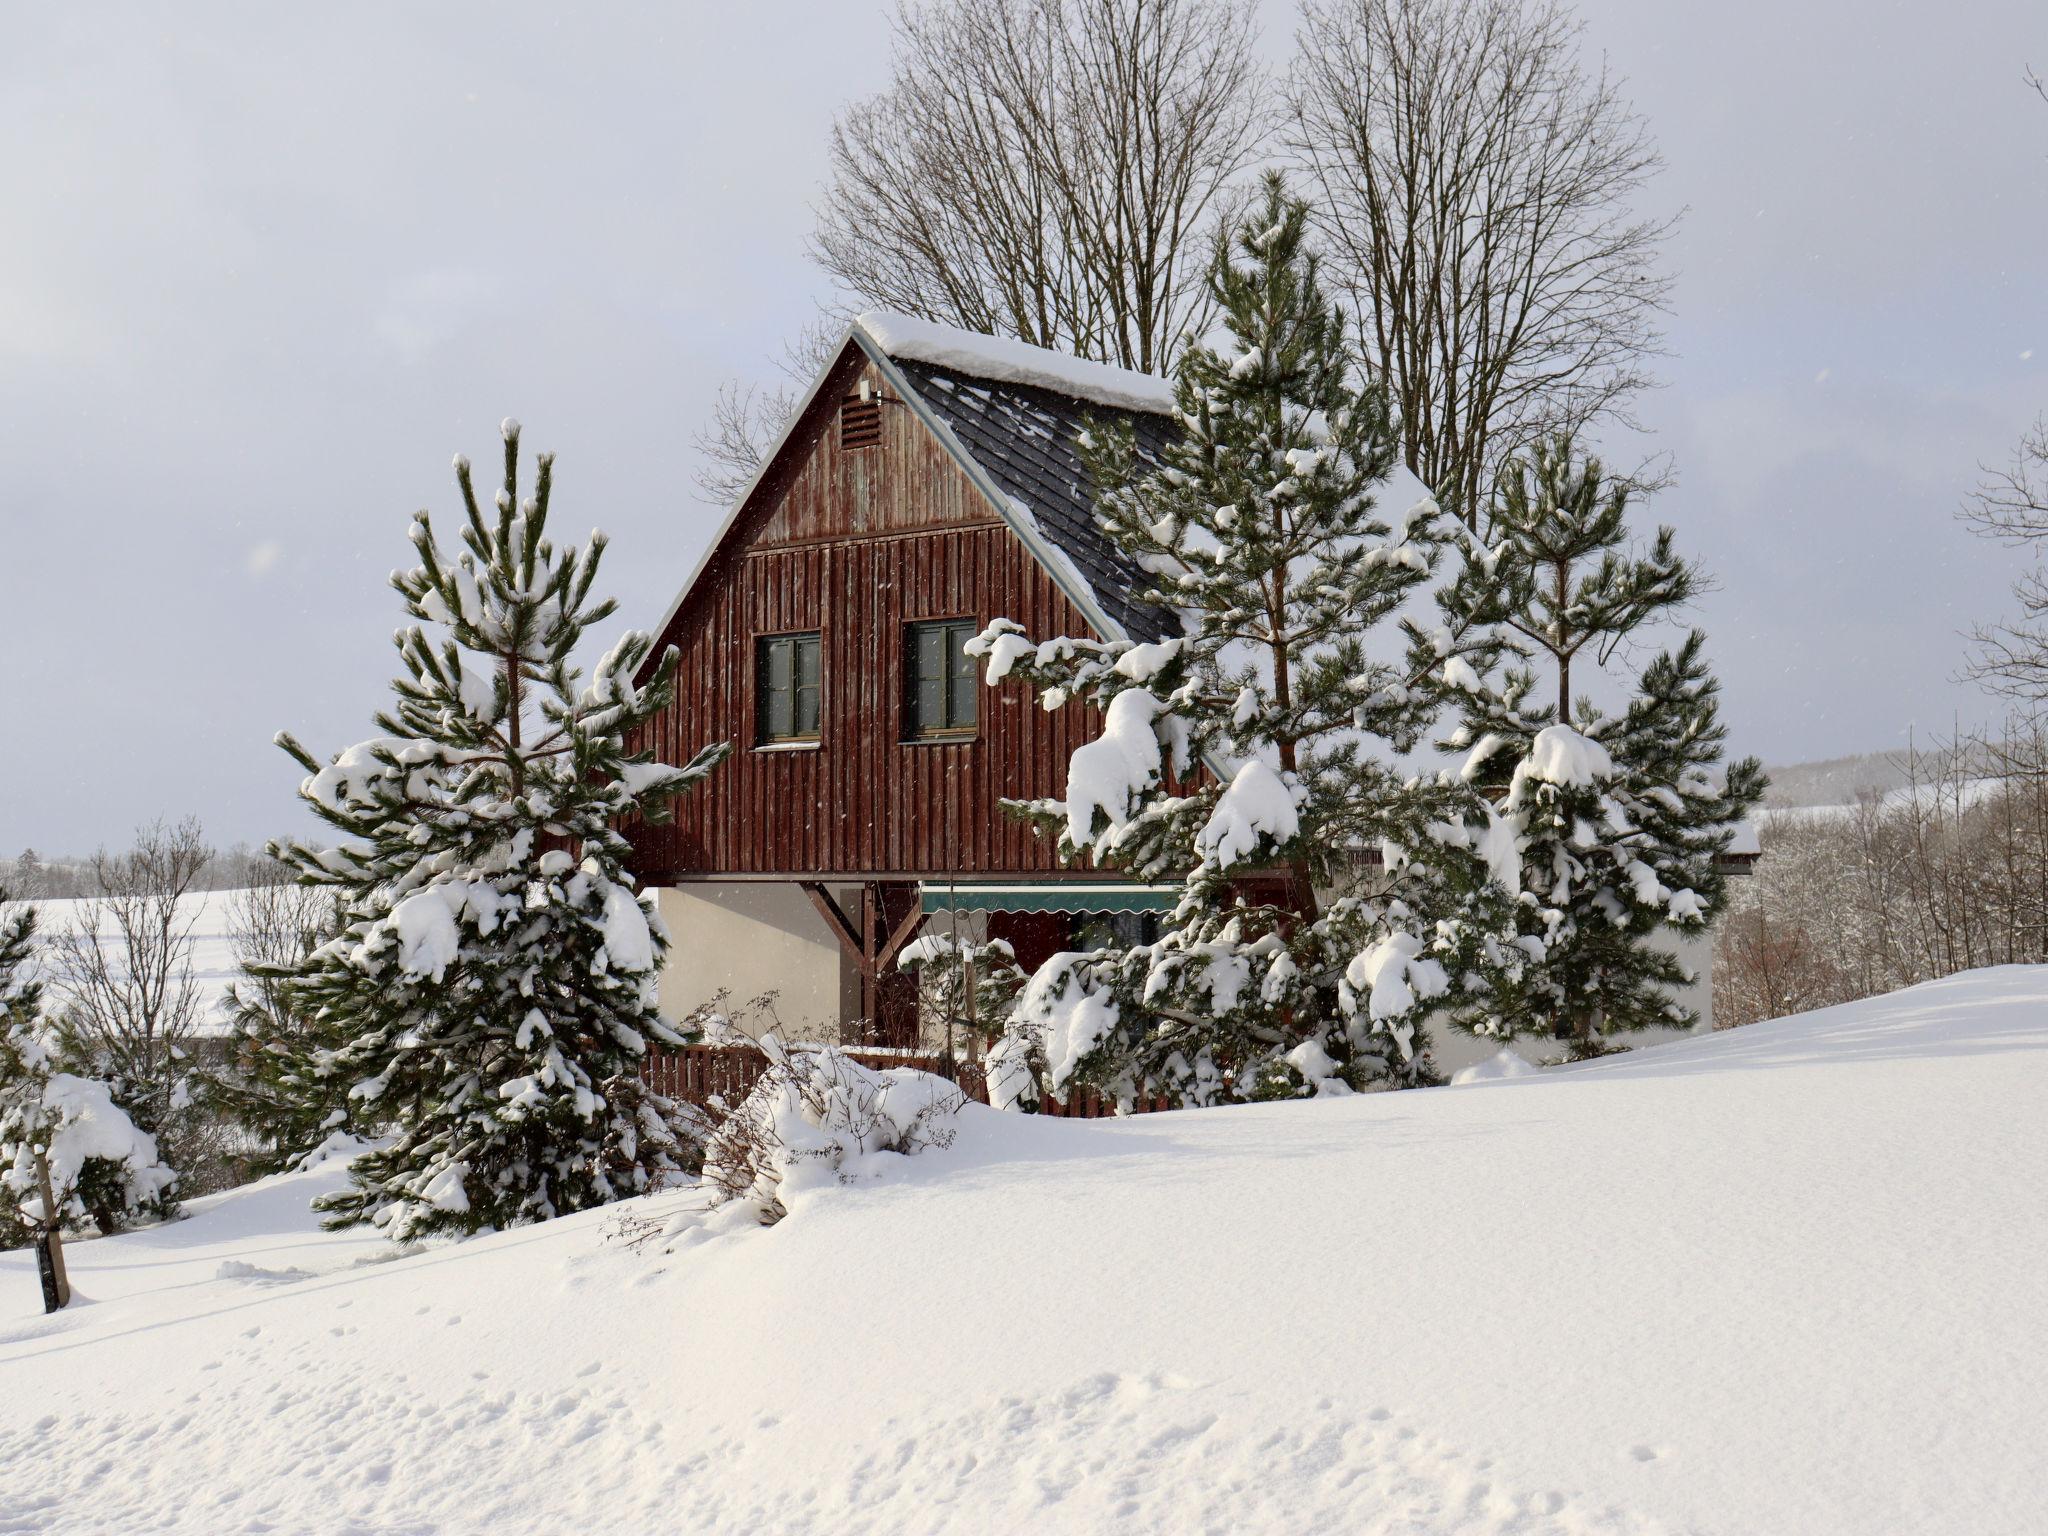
pixel 491 990
pixel 1246 756
pixel 1618 820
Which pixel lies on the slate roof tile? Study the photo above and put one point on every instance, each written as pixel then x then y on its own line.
pixel 1025 438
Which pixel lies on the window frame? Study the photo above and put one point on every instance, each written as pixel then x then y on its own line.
pixel 765 737
pixel 914 732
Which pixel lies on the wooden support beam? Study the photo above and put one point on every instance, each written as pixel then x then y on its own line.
pixel 901 935
pixel 842 927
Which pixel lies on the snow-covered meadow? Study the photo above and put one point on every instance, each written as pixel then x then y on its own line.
pixel 1786 1279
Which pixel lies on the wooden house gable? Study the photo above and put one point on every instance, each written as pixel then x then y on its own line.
pixel 866 521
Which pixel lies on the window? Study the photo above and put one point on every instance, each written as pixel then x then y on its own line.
pixel 940 678
pixel 786 688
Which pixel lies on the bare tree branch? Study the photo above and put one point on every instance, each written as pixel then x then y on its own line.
pixel 746 418
pixel 1476 187
pixel 2010 505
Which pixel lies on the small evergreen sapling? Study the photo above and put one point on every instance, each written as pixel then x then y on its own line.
pixel 1306 656
pixel 493 981
pixel 1619 819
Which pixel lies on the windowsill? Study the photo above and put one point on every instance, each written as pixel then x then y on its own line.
pixel 945 739
pixel 789 746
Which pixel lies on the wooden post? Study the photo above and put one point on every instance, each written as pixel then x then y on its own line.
pixel 967 990
pixel 50 1241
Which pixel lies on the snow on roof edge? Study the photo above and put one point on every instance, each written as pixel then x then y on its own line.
pixel 1013 362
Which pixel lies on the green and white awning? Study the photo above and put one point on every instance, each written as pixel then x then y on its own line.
pixel 1047 896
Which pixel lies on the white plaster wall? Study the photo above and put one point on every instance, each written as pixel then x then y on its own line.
pixel 1454 1050
pixel 755 936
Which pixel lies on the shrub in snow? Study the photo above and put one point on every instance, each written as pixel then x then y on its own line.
pixel 817 1118
pixel 1305 654
pixel 100 1166
pixel 490 991
pixel 1616 819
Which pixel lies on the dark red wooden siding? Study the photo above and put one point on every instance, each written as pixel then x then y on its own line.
pixel 857 544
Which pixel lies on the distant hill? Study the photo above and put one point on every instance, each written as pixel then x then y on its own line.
pixel 1833 780
pixel 1838 780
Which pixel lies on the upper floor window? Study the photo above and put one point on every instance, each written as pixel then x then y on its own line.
pixel 940 679
pixel 786 688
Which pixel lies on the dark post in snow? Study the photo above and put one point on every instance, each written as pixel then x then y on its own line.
pixel 50 1242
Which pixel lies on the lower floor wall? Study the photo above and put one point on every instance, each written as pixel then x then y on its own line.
pixel 762 952
pixel 754 939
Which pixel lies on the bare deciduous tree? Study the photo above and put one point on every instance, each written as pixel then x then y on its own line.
pixel 1046 169
pixel 1477 186
pixel 1945 873
pixel 128 1008
pixel 2010 506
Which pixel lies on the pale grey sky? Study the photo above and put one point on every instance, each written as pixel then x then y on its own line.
pixel 267 268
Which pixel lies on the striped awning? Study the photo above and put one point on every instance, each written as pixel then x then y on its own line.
pixel 1047 896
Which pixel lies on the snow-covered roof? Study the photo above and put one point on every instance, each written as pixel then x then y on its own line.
pixel 1012 362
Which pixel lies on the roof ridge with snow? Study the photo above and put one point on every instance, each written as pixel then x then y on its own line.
pixel 1001 360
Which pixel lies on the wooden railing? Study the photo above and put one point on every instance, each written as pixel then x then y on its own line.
pixel 697 1074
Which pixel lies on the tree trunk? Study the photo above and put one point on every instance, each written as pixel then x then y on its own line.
pixel 53 1226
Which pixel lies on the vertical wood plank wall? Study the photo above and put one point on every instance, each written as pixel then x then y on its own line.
pixel 858 544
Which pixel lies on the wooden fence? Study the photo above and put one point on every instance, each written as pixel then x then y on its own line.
pixel 696 1074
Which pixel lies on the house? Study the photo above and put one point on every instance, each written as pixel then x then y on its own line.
pixel 928 483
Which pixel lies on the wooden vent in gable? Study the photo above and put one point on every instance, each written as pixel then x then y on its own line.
pixel 860 422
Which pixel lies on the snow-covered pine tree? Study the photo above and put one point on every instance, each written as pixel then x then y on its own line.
pixel 100 1167
pixel 1247 756
pixel 1619 818
pixel 494 976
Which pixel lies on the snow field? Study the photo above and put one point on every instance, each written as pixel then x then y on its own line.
pixel 1781 1280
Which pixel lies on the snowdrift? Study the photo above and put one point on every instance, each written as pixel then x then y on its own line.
pixel 1781 1280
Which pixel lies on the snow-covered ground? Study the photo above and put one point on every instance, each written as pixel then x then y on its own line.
pixel 1787 1279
